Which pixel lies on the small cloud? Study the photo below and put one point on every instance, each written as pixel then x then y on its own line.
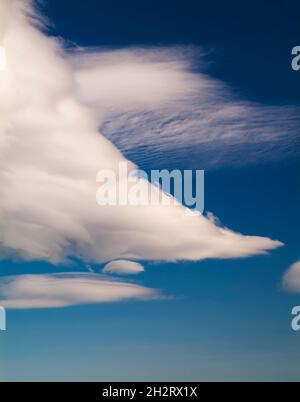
pixel 68 289
pixel 291 279
pixel 123 267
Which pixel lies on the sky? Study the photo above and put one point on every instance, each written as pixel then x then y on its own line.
pixel 230 107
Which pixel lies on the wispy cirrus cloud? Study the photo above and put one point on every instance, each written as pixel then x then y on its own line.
pixel 154 106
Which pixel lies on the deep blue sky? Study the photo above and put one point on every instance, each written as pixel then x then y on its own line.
pixel 252 40
pixel 229 320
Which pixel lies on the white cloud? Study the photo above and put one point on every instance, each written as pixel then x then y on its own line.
pixel 123 267
pixel 135 78
pixel 291 279
pixel 68 289
pixel 51 151
pixel 152 104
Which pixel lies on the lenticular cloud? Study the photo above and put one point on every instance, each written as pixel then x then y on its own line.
pixel 51 151
pixel 68 289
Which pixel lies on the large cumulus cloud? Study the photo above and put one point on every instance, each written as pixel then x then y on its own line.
pixel 51 151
